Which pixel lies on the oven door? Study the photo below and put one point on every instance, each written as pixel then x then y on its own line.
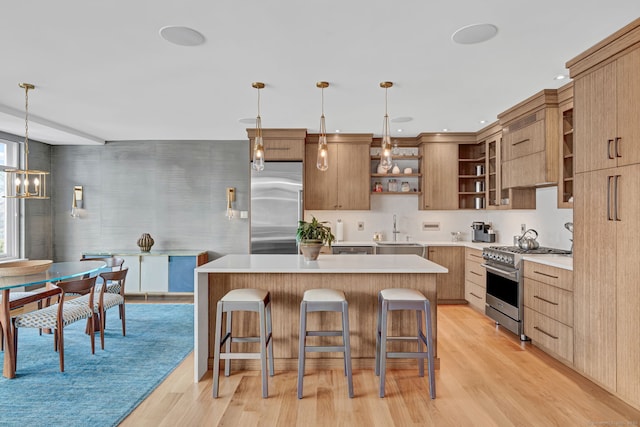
pixel 503 291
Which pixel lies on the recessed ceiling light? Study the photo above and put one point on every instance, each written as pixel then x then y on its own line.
pixel 182 36
pixel 560 77
pixel 445 130
pixel 475 33
pixel 337 130
pixel 248 120
pixel 483 122
pixel 403 119
pixel 400 130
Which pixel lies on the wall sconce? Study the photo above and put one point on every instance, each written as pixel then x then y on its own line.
pixel 76 204
pixel 231 197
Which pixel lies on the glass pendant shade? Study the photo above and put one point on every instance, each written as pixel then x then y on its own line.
pixel 322 160
pixel 386 160
pixel 258 144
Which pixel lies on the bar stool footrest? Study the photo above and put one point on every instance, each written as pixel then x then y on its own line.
pixel 406 355
pixel 324 333
pixel 232 356
pixel 324 348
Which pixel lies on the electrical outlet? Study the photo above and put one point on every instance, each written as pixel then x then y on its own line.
pixel 430 226
pixel 360 225
pixel 523 228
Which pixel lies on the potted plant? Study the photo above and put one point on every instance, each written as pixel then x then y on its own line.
pixel 312 236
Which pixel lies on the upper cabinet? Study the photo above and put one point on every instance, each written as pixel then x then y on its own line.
pixel 565 153
pixel 345 185
pixel 280 144
pixel 472 159
pixel 530 142
pixel 406 179
pixel 440 169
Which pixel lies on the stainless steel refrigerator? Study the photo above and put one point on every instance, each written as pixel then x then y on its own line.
pixel 276 208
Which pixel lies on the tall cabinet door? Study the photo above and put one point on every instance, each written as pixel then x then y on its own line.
pixel 594 99
pixel 628 94
pixel 595 279
pixel 628 283
pixel 353 176
pixel 440 184
pixel 320 187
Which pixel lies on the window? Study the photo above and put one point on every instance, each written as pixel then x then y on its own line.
pixel 9 231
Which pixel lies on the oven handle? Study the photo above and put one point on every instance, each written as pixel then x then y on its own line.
pixel 512 275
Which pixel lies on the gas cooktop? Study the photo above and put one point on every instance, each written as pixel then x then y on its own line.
pixel 540 250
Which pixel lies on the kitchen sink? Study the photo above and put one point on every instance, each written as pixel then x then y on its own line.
pixel 399 244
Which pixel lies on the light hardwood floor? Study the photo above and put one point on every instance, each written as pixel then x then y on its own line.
pixel 487 378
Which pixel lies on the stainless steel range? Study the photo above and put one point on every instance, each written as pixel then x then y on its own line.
pixel 505 284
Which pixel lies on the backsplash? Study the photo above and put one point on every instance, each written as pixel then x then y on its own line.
pixel 547 219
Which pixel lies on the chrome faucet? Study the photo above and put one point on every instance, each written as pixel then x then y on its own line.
pixel 395 229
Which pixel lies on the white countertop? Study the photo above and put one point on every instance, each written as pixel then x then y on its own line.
pixel 325 264
pixel 472 245
pixel 559 261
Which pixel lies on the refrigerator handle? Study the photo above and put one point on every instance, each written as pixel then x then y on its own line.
pixel 300 210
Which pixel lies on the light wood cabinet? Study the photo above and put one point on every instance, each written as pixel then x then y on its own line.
pixel 530 142
pixel 450 286
pixel 549 310
pixel 280 144
pixel 607 212
pixel 406 155
pixel 440 174
pixel 475 284
pixel 472 176
pixel 345 185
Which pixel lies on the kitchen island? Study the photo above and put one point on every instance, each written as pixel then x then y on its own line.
pixel 286 277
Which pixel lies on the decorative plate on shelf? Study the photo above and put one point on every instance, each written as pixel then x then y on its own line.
pixel 24 268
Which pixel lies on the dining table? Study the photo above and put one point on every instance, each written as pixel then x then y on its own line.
pixel 58 271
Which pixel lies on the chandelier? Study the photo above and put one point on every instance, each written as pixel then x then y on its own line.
pixel 25 183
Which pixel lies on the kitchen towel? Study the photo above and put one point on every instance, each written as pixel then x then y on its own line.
pixel 339 231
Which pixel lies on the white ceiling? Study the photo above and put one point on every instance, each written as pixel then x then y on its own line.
pixel 103 73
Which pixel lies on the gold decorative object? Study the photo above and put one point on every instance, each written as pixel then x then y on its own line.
pixel 231 197
pixel 258 146
pixel 25 183
pixel 24 268
pixel 322 161
pixel 386 161
pixel 145 242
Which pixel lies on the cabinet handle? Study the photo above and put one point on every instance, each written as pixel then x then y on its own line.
pixel 545 274
pixel 513 144
pixel 544 332
pixel 609 155
pixel 609 198
pixel 477 274
pixel 545 300
pixel 476 256
pixel 618 139
pixel 278 148
pixel 471 293
pixel 615 197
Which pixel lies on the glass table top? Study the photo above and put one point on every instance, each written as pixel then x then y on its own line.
pixel 57 272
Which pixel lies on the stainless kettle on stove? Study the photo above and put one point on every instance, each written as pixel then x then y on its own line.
pixel 526 242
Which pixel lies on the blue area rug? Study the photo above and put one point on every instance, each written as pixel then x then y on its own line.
pixel 102 389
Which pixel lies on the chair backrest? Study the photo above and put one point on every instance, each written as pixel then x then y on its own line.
pixel 78 287
pixel 113 277
pixel 114 262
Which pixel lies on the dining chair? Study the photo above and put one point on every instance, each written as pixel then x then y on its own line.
pixel 109 297
pixel 20 299
pixel 61 314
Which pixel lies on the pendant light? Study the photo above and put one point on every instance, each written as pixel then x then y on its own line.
pixel 25 183
pixel 322 161
pixel 385 154
pixel 258 145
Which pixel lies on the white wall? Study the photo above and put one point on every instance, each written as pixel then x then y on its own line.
pixel 547 219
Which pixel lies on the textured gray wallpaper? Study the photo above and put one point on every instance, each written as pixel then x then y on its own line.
pixel 173 190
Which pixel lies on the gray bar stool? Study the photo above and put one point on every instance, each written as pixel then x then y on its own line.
pixel 405 299
pixel 256 300
pixel 324 300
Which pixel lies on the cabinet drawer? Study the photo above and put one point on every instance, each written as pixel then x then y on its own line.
pixel 475 273
pixel 548 300
pixel 558 277
pixel 475 295
pixel 549 334
pixel 524 141
pixel 474 255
